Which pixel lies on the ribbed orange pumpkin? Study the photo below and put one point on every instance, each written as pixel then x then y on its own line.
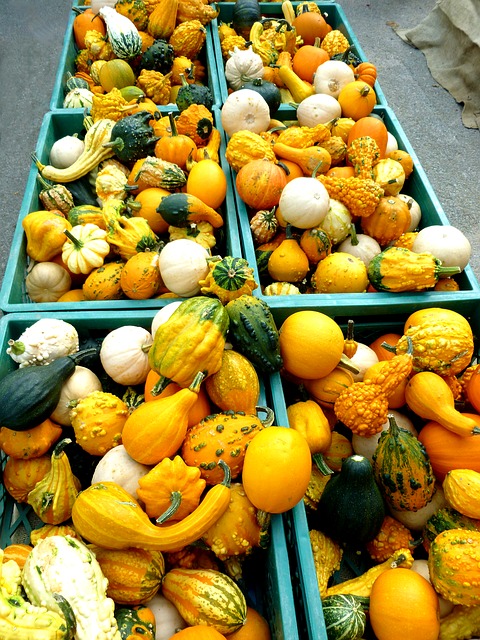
pixel 260 183
pixel 390 219
pixel 134 575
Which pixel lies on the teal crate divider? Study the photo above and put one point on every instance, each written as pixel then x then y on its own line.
pixel 13 297
pixel 69 51
pixel 267 572
pixel 419 188
pixel 334 15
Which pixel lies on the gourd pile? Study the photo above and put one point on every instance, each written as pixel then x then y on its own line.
pixel 394 490
pixel 323 187
pixel 143 453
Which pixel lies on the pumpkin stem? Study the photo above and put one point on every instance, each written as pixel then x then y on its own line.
pixel 322 466
pixel 78 244
pixel 176 501
pixel 16 347
pixel 353 236
pixel 171 119
pixel 269 418
pixel 350 345
pixel 346 363
pixel 160 385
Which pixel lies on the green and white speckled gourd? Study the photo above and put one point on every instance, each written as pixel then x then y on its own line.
pixel 66 566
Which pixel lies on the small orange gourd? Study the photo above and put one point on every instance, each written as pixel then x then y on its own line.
pixel 390 219
pixel 31 443
pixel 260 183
pixel 156 429
pixel 308 419
pixel 429 396
pixel 175 147
pixel 313 159
pixel 288 262
pixel 357 99
pixel 316 244
pixel 21 475
pixel 140 278
pixel 327 389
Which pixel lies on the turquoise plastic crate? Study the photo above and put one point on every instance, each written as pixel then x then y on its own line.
pixel 419 188
pixel 309 605
pixel 69 51
pixel 334 15
pixel 13 296
pixel 268 574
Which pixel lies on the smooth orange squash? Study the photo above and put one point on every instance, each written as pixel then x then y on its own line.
pixel 288 262
pixel 156 429
pixel 429 396
pixel 448 450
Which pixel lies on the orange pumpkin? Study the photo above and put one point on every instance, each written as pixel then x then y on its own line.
pixel 316 244
pixel 145 206
pixel 367 72
pixel 140 278
pixel 374 128
pixel 389 221
pixel 260 183
pixel 277 468
pixel 175 147
pixel 357 100
pixel 255 628
pixel 307 58
pixel 310 25
pixel 103 283
pixel 85 21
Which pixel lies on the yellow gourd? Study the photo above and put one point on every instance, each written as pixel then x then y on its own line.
pixel 288 262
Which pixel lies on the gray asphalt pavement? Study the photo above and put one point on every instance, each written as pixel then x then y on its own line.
pixel 32 33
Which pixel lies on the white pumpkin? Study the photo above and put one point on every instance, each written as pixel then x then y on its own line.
pixel 245 109
pixel 167 617
pixel 318 109
pixel 365 446
pixel 47 282
pixel 392 144
pixel 183 263
pixel 337 222
pixel 304 202
pixel 163 315
pixel 331 76
pixel 448 244
pixel 363 358
pixel 117 466
pixel 82 382
pixel 242 65
pixel 124 354
pixel 415 210
pixel 361 246
pixel 66 151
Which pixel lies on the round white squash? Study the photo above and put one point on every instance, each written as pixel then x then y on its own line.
pixel 331 76
pixel 365 446
pixel 47 282
pixel 242 64
pixel 82 382
pixel 415 210
pixel 124 354
pixel 447 243
pixel 392 144
pixel 304 202
pixel 163 315
pixel 318 109
pixel 183 263
pixel 363 247
pixel 245 109
pixel 416 520
pixel 117 466
pixel 167 617
pixel 66 151
pixel 364 358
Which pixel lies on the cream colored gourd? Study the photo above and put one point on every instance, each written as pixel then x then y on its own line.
pixel 415 211
pixel 447 243
pixel 245 109
pixel 66 151
pixel 363 358
pixel 124 354
pixel 304 202
pixel 117 466
pixel 183 263
pixel 361 246
pixel 163 315
pixel 331 76
pixel 82 382
pixel 47 282
pixel 241 65
pixel 318 109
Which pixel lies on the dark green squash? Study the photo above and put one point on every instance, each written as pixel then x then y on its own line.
pixel 344 616
pixel 245 13
pixel 402 469
pixel 29 395
pixel 348 56
pixel 268 90
pixel 133 137
pixel 158 57
pixel 351 507
pixel 254 333
pixel 136 622
pixel 189 94
pixel 82 192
